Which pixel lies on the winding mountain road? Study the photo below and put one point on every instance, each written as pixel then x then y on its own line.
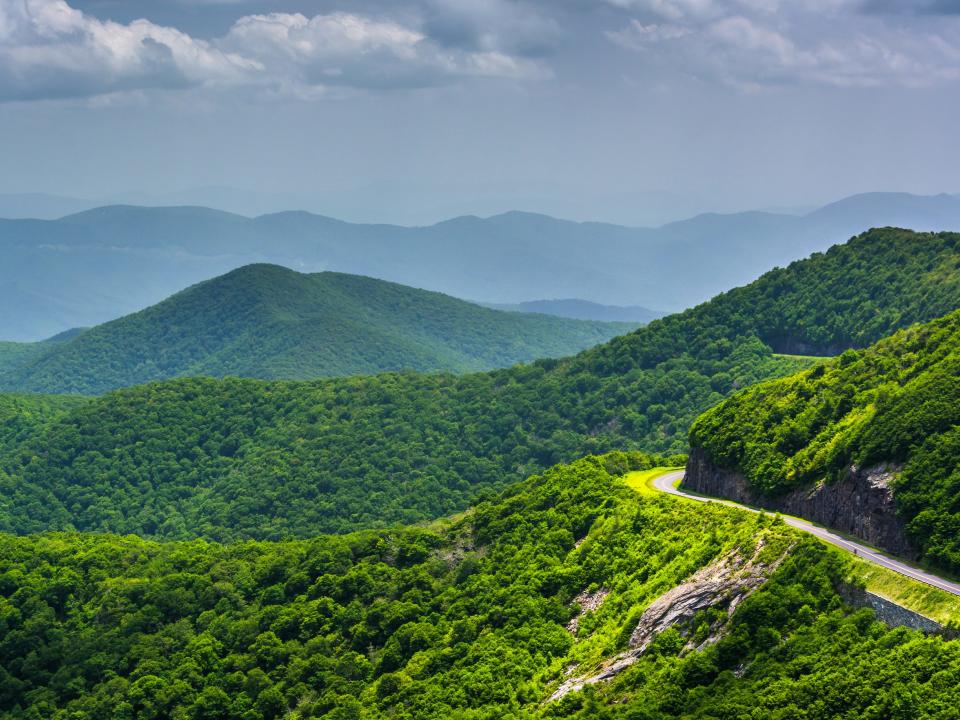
pixel 668 481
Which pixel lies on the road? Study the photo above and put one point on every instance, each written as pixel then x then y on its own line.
pixel 666 483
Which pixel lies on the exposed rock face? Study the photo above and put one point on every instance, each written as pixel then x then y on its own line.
pixel 588 602
pixel 861 504
pixel 723 584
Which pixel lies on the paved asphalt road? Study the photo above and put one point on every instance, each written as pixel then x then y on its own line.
pixel 665 483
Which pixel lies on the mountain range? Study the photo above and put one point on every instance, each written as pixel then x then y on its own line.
pixel 239 458
pixel 93 266
pixel 267 321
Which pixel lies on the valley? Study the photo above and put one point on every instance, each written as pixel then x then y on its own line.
pixel 238 458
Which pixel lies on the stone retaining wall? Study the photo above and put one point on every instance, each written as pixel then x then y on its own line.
pixel 889 612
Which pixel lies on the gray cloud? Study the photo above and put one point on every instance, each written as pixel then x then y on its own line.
pixel 506 26
pixel 753 44
pixel 912 7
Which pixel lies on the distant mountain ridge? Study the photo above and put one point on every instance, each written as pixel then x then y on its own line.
pixel 581 310
pixel 93 266
pixel 270 322
pixel 41 206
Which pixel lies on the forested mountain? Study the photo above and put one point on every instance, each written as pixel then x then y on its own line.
pixel 482 617
pixel 269 322
pixel 16 355
pixel 235 458
pixel 94 266
pixel 895 405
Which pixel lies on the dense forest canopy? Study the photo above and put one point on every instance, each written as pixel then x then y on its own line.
pixel 270 322
pixel 895 403
pixel 23 416
pixel 228 459
pixel 468 619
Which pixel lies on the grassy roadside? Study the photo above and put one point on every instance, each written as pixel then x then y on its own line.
pixel 929 601
pixel 912 594
pixel 804 358
pixel 642 480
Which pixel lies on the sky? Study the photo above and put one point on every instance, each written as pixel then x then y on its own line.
pixel 411 111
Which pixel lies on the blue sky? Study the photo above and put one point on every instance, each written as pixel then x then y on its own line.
pixel 621 110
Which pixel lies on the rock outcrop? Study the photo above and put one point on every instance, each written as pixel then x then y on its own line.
pixel 860 504
pixel 586 602
pixel 723 584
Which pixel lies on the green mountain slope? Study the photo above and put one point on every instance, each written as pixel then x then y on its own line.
pixel 466 619
pixel 270 322
pixel 15 355
pixel 896 403
pixel 243 458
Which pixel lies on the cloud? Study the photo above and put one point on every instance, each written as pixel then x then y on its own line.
pixel 912 7
pixel 50 50
pixel 341 49
pixel 504 26
pixel 823 42
pixel 637 35
pixel 694 10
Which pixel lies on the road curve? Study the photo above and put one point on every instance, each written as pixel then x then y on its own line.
pixel 666 483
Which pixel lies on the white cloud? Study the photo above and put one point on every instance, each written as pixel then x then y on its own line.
pixel 346 49
pixel 637 35
pixel 749 37
pixel 51 50
pixel 48 49
pixel 696 10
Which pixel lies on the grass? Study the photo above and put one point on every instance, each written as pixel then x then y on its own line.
pixel 642 480
pixel 917 596
pixel 804 358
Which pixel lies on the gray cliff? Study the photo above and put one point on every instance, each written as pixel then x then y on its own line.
pixel 861 504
